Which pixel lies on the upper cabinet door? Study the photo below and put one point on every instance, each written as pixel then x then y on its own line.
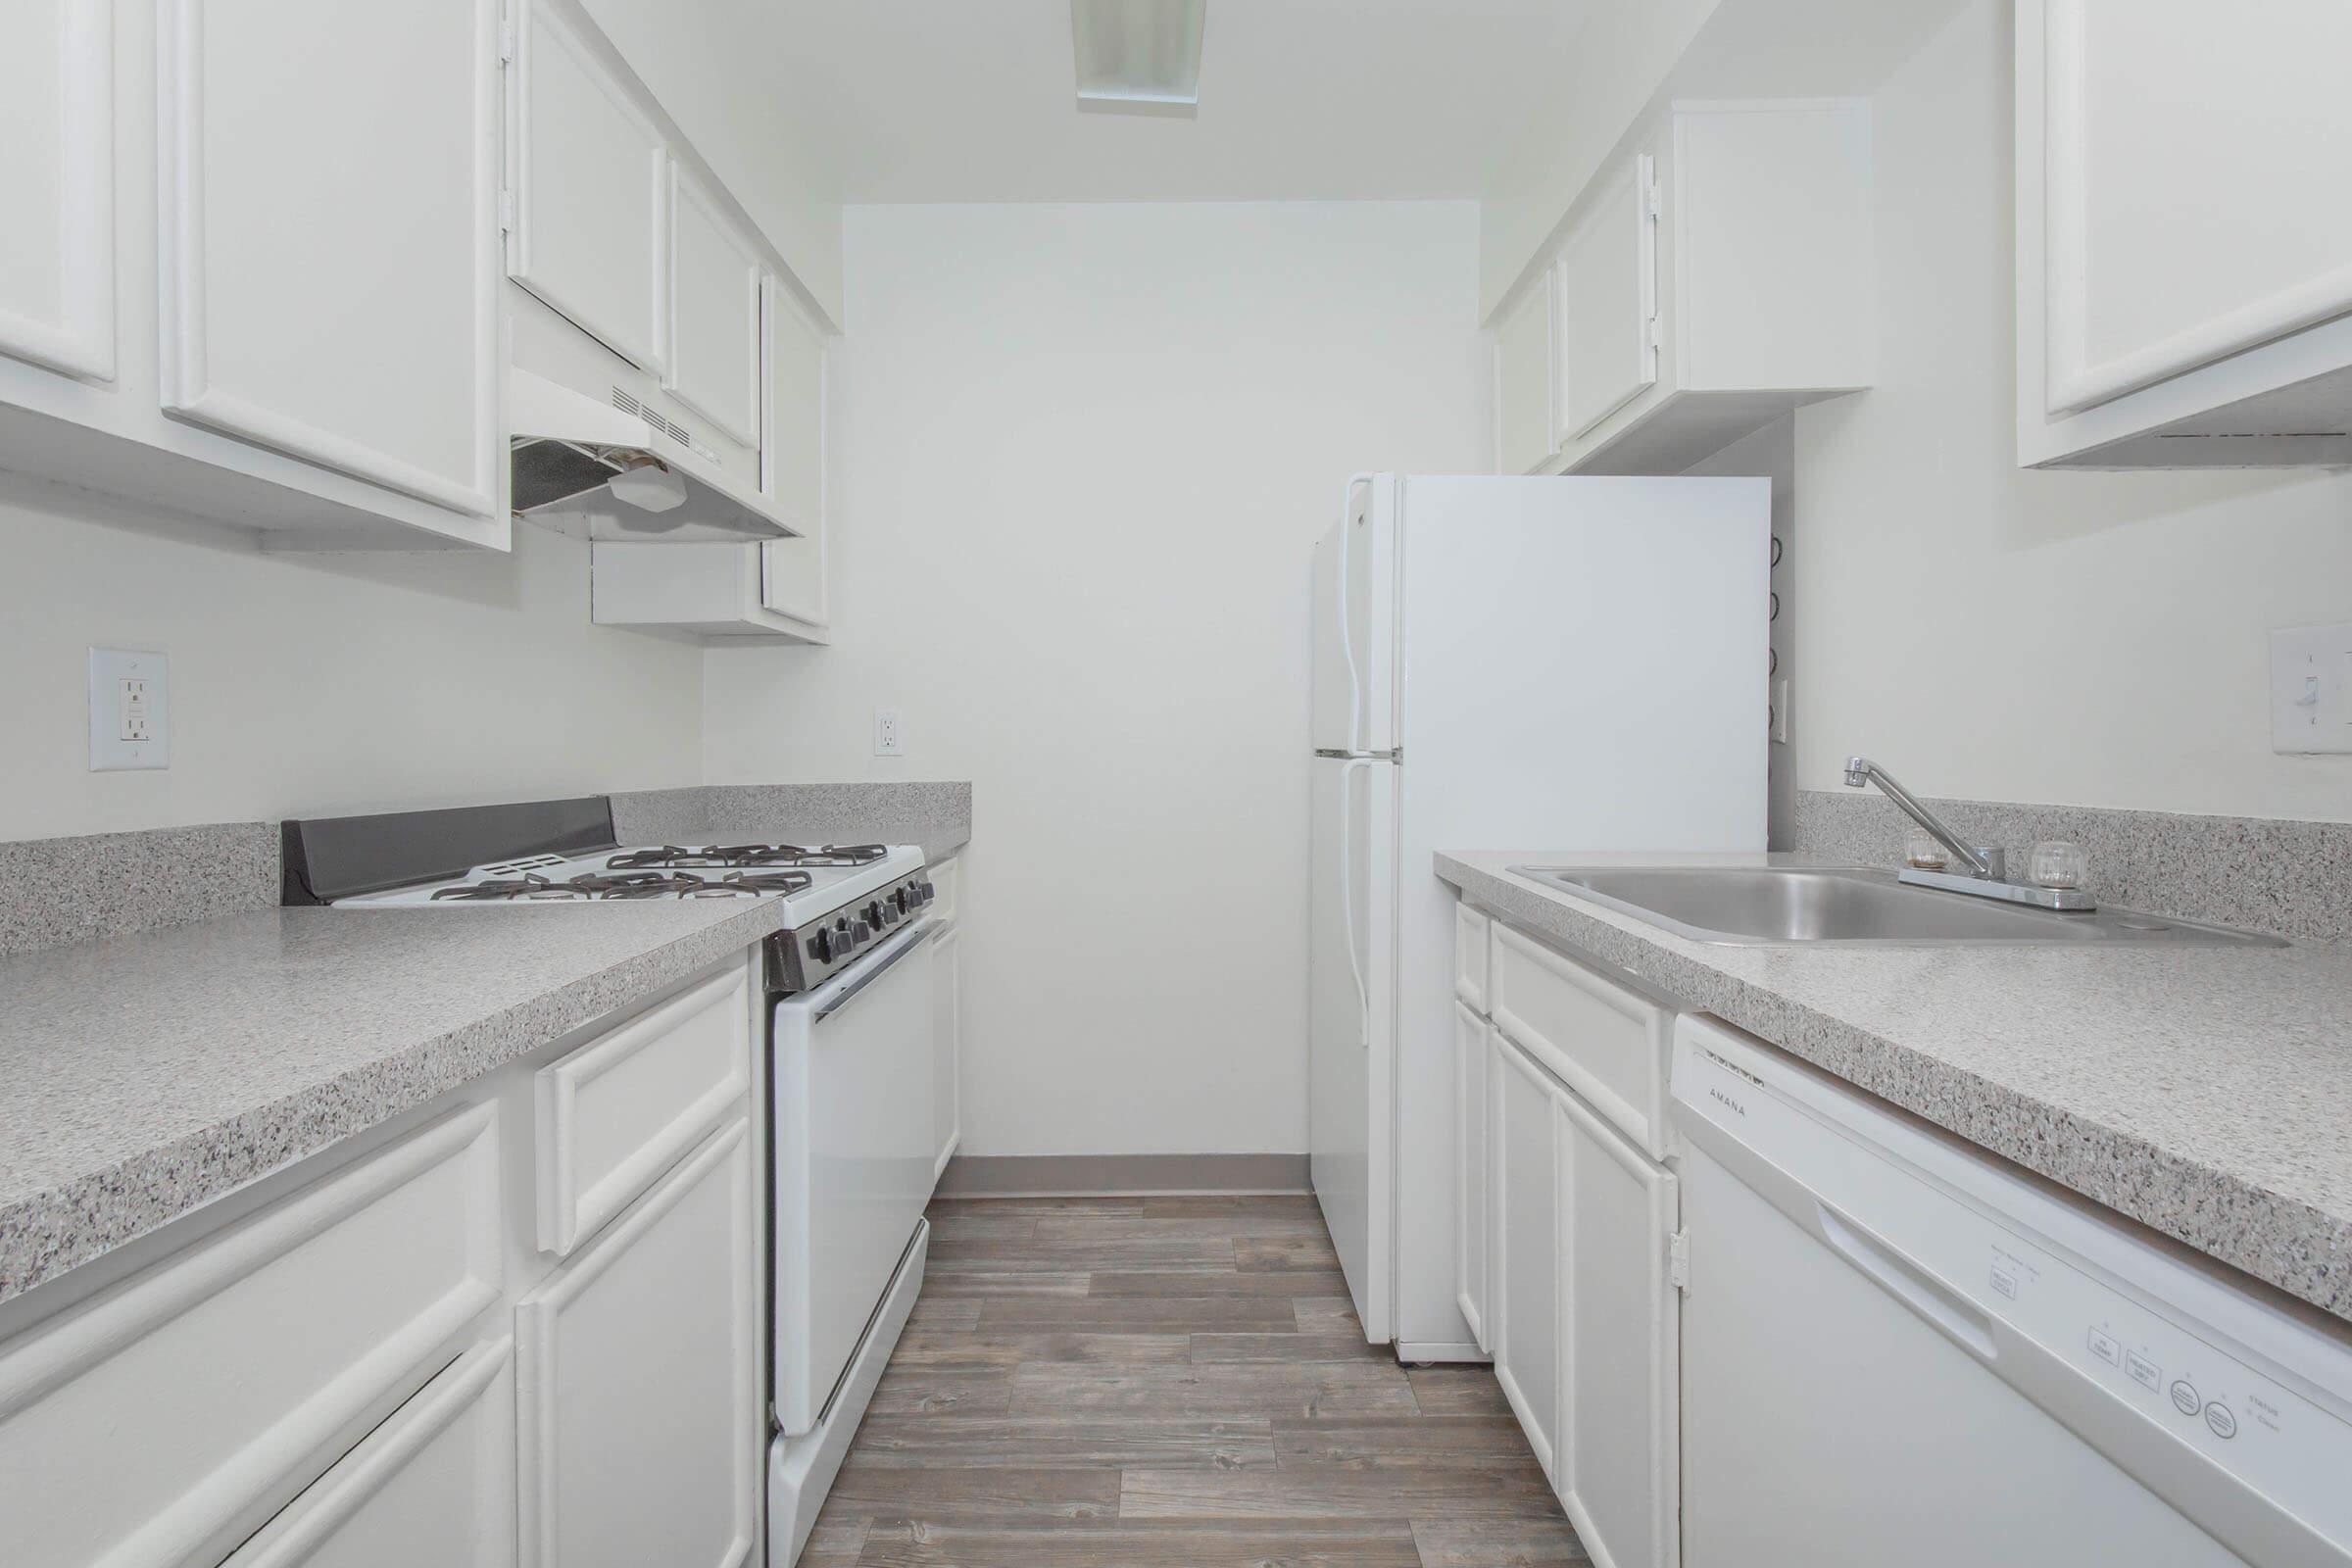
pixel 2195 161
pixel 713 312
pixel 1609 299
pixel 1523 375
pixel 329 235
pixel 792 457
pixel 57 185
pixel 591 177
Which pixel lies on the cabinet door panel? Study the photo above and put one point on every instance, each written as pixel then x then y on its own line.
pixel 2195 161
pixel 434 1484
pixel 329 235
pixel 1525 1331
pixel 713 312
pixel 792 456
pixel 57 185
pixel 1616 1461
pixel 1470 1060
pixel 591 177
pixel 947 1085
pixel 1608 301
pixel 638 1385
pixel 1523 375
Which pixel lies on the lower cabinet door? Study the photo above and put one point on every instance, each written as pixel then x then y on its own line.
pixel 1616 1464
pixel 1470 1055
pixel 638 1379
pixel 947 1044
pixel 1524 1302
pixel 434 1484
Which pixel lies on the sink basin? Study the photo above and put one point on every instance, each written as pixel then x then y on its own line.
pixel 1775 905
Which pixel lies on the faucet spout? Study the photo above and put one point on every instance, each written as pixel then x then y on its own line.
pixel 1861 772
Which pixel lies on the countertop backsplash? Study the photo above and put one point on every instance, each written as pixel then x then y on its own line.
pixel 2272 874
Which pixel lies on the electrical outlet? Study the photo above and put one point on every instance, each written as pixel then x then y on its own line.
pixel 131 710
pixel 2311 689
pixel 890 735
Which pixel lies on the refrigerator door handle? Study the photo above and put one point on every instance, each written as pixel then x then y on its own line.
pixel 1363 992
pixel 1355 690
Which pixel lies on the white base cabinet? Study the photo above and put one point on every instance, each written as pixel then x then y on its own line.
pixel 1717 276
pixel 2184 263
pixel 379 1365
pixel 1570 1265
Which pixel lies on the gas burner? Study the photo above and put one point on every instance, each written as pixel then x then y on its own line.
pixel 750 855
pixel 625 885
pixel 506 890
pixel 769 881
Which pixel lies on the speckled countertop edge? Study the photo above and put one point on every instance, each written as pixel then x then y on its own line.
pixel 67 1222
pixel 2300 1246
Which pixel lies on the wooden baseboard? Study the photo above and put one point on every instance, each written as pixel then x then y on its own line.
pixel 1120 1175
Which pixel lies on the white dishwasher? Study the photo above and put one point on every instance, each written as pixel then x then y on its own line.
pixel 1899 1351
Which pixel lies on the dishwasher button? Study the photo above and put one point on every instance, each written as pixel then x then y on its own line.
pixel 2143 1371
pixel 2186 1399
pixel 2106 1347
pixel 2218 1417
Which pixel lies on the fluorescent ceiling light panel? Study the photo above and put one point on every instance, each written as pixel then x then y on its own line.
pixel 1137 54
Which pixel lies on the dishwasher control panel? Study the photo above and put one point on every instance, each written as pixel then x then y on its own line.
pixel 2075 1309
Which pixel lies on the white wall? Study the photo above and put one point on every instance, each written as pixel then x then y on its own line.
pixel 305 684
pixel 1085 452
pixel 1991 633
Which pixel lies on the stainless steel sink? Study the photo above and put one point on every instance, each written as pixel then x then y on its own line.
pixel 1776 905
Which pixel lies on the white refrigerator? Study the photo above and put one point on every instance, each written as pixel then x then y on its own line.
pixel 1500 663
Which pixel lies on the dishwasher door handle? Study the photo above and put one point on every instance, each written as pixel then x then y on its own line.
pixel 1947 1310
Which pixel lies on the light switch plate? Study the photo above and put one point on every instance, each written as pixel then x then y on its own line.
pixel 131 710
pixel 2311 689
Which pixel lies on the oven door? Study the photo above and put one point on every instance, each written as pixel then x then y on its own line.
pixel 853 1155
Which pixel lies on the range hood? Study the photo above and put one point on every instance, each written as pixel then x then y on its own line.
pixel 609 467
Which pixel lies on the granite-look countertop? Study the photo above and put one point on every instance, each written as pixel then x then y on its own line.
pixel 2205 1091
pixel 144 1075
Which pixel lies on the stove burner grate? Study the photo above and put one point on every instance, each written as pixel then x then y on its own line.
pixel 631 884
pixel 670 856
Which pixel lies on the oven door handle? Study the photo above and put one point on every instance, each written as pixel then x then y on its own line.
pixel 877 967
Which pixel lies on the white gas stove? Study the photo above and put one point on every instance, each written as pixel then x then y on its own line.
pixel 839 899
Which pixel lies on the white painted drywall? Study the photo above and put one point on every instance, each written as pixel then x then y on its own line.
pixel 319 684
pixel 1989 633
pixel 1084 451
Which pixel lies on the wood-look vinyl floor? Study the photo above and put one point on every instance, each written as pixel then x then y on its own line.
pixel 1171 1383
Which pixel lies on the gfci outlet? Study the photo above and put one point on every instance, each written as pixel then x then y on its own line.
pixel 131 710
pixel 2311 689
pixel 890 736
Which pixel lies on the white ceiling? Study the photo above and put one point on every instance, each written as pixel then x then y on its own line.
pixel 974 100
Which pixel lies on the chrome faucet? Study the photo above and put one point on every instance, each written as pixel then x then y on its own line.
pixel 1988 865
pixel 1986 870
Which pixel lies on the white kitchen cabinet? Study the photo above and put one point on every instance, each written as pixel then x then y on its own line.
pixel 1525 1332
pixel 2185 259
pixel 1524 430
pixel 1473 1053
pixel 1607 300
pixel 57 185
pixel 326 283
pixel 792 457
pixel 1616 1464
pixel 245 280
pixel 714 288
pixel 167 1417
pixel 639 1382
pixel 434 1484
pixel 947 1044
pixel 1707 282
pixel 590 174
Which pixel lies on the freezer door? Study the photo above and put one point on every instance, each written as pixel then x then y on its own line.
pixel 1350 1020
pixel 1354 575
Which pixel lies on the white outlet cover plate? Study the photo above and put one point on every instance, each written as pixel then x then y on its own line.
pixel 2311 689
pixel 890 732
pixel 110 670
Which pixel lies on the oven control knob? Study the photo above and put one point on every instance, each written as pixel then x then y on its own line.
pixel 899 899
pixel 820 946
pixel 873 914
pixel 925 893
